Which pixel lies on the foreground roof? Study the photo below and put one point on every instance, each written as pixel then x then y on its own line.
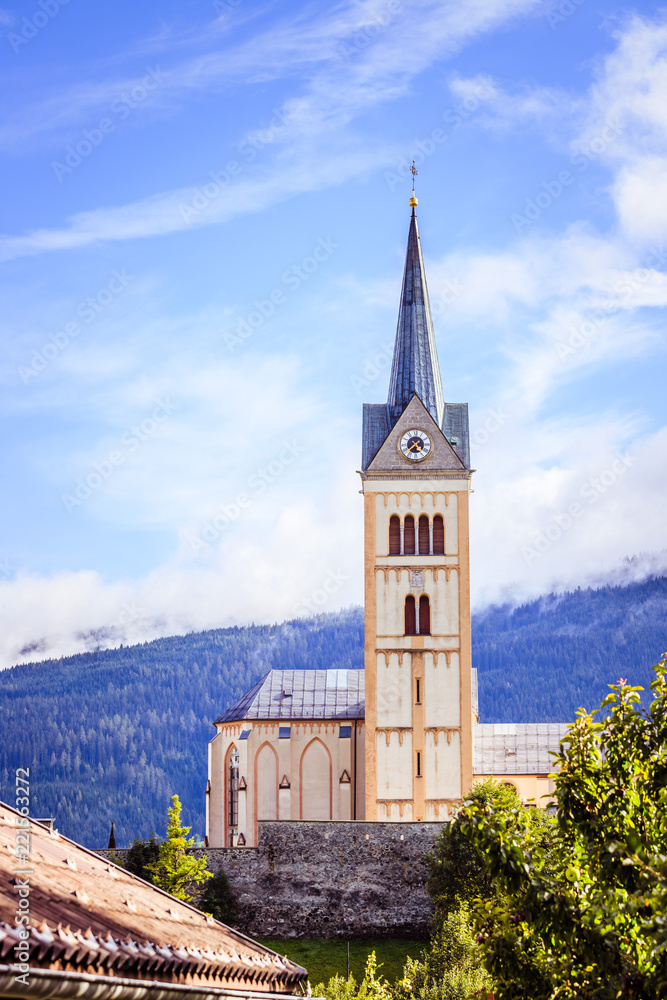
pixel 516 748
pixel 91 920
pixel 302 694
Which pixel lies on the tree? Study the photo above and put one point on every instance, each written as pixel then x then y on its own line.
pixel 594 925
pixel 218 899
pixel 176 871
pixel 456 870
pixel 141 855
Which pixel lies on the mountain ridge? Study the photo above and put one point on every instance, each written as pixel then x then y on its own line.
pixel 111 734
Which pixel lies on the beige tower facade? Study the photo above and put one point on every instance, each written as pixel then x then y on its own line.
pixel 419 704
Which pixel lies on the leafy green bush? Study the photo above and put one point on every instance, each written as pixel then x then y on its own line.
pixel 451 969
pixel 372 987
pixel 582 914
pixel 456 870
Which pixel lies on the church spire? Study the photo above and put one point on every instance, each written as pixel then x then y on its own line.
pixel 415 366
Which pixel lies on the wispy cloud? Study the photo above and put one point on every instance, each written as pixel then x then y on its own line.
pixel 337 92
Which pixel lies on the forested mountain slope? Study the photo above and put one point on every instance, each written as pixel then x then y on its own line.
pixel 542 661
pixel 112 734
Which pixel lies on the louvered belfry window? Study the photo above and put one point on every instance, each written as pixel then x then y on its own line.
pixel 394 535
pixel 410 616
pixel 438 535
pixel 409 535
pixel 424 615
pixel 424 542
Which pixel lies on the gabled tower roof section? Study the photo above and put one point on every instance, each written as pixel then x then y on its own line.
pixel 415 366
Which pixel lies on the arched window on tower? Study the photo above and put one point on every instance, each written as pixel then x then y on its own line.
pixel 410 615
pixel 438 535
pixel 424 615
pixel 424 540
pixel 394 535
pixel 409 535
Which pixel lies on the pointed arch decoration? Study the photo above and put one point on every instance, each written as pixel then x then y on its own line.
pixel 316 781
pixel 266 784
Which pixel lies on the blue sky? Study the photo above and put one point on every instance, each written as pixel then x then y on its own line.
pixel 203 233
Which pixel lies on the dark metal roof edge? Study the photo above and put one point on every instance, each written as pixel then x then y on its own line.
pixel 245 699
pixel 73 985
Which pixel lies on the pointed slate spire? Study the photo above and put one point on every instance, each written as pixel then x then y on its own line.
pixel 415 366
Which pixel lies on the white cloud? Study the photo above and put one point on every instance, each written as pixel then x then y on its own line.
pixel 281 557
pixel 559 523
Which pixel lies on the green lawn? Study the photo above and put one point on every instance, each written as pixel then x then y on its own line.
pixel 325 959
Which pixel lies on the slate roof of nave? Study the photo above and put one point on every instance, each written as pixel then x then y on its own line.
pixel 302 694
pixel 516 747
pixel 500 747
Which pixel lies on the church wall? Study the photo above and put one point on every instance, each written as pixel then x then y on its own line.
pixel 530 787
pixel 442 753
pixel 441 677
pixel 394 764
pixel 214 817
pixel 443 589
pixel 309 775
pixel 346 880
pixel 416 683
pixel 394 690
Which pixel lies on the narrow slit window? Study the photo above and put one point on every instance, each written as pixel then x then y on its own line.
pixel 419 764
pixel 424 543
pixel 410 615
pixel 418 683
pixel 394 535
pixel 438 535
pixel 409 535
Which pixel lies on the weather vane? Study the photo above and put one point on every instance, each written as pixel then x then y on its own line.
pixel 413 200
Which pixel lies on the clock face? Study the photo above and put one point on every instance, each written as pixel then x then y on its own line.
pixel 415 445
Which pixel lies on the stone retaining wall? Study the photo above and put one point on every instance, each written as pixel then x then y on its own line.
pixel 328 880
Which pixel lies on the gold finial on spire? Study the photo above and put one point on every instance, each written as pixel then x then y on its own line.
pixel 414 172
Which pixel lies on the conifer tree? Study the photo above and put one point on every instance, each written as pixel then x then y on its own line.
pixel 176 871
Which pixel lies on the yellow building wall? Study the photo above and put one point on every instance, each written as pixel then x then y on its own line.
pixel 531 788
pixel 310 775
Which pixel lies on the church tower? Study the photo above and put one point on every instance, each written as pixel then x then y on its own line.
pixel 416 481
